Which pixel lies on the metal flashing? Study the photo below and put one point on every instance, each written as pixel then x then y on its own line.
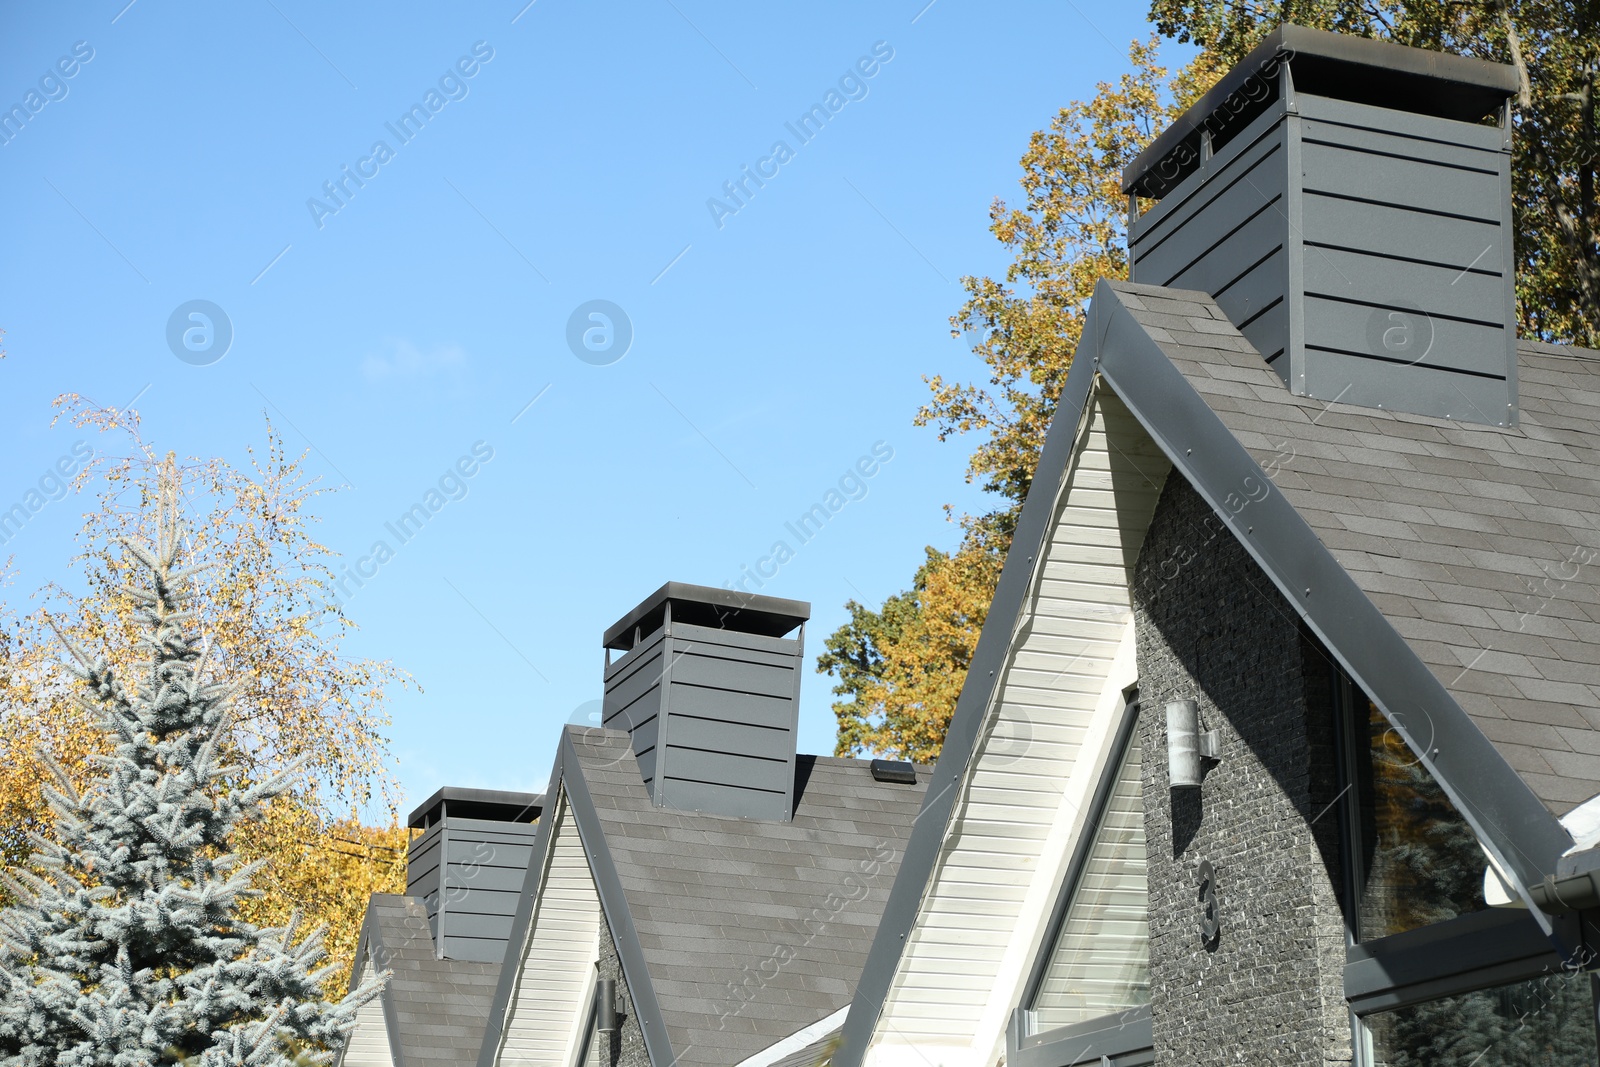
pixel 1125 1039
pixel 495 805
pixel 1477 950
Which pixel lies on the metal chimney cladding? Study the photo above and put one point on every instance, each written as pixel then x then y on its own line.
pixel 708 688
pixel 1346 205
pixel 468 866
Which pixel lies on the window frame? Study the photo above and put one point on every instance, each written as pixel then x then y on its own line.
pixel 1480 950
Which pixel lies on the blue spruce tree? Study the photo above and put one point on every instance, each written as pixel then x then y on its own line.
pixel 124 948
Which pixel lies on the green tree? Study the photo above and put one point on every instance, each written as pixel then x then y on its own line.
pixel 130 947
pixel 1555 46
pixel 301 700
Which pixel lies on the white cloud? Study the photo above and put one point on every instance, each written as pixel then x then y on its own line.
pixel 406 361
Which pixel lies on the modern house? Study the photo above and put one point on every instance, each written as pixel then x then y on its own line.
pixel 443 941
pixel 1282 740
pixel 694 890
pixel 1281 744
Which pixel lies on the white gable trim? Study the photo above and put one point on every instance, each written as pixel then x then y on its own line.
pixel 553 987
pixel 1040 752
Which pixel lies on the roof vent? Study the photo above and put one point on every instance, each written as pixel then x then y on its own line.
pixel 1349 209
pixel 708 687
pixel 468 866
pixel 888 770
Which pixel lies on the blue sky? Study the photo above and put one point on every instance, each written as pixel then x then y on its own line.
pixel 568 156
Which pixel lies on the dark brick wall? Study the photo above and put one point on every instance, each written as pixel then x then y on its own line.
pixel 631 1051
pixel 1211 627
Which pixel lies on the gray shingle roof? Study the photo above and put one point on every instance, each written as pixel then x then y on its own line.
pixel 1480 545
pixel 750 930
pixel 439 1005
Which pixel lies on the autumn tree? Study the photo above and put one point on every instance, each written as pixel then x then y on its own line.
pixel 1555 46
pixel 129 946
pixel 265 604
pixel 899 669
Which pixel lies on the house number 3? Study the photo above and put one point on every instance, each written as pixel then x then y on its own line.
pixel 1210 924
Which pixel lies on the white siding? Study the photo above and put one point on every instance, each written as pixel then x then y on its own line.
pixel 550 1000
pixel 369 1041
pixel 1037 759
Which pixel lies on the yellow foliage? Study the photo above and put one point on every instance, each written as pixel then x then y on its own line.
pixel 262 603
pixel 900 668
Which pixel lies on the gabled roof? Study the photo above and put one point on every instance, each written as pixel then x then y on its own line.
pixel 433 1009
pixel 1477 544
pixel 733 934
pixel 1406 544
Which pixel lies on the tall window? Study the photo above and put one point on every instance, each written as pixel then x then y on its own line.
pixel 1100 962
pixel 1417 862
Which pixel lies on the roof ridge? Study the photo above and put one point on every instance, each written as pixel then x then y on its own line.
pixel 1534 346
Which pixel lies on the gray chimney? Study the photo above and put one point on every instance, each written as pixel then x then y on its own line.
pixel 709 688
pixel 468 865
pixel 1348 206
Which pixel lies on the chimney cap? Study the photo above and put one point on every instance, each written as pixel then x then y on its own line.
pixel 1359 69
pixel 495 805
pixel 704 605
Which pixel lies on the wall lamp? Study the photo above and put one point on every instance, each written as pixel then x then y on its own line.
pixel 605 1020
pixel 1187 746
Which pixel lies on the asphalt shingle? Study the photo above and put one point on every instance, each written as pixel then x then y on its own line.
pixel 441 1006
pixel 751 930
pixel 1493 542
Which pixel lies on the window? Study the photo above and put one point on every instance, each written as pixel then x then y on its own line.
pixel 1100 962
pixel 1546 1022
pixel 1416 861
pixel 1437 978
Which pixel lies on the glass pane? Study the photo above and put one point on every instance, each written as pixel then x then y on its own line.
pixel 1421 860
pixel 1101 960
pixel 1548 1022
